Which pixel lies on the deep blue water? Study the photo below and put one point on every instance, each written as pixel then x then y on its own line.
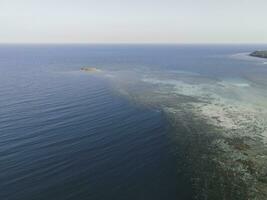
pixel 66 135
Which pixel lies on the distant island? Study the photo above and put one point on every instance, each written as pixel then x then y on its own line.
pixel 90 69
pixel 260 54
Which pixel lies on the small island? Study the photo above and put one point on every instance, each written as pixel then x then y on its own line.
pixel 260 54
pixel 90 69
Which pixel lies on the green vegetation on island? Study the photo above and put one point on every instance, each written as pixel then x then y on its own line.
pixel 260 54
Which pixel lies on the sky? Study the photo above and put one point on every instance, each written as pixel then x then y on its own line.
pixel 133 21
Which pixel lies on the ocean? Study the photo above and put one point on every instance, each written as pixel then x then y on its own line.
pixel 69 134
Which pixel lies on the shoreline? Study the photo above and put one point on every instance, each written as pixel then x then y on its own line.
pixel 259 54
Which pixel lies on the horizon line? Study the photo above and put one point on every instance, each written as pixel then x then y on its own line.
pixel 132 43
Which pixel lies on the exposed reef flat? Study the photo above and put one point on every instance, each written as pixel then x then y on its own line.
pixel 90 69
pixel 260 54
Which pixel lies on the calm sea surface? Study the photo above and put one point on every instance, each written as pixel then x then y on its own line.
pixel 65 134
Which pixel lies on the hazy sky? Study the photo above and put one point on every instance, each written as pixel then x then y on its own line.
pixel 133 21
